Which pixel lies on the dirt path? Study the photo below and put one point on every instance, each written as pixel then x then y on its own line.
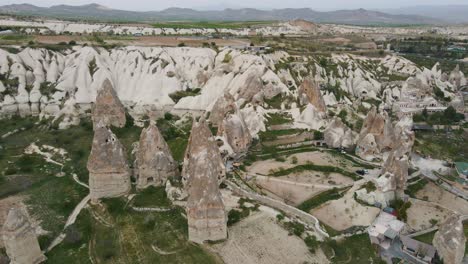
pixel 309 219
pixel 311 185
pixel 71 220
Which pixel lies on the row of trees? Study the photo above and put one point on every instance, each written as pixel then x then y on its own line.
pixel 448 117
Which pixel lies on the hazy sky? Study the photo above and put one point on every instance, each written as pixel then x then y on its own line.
pixel 147 5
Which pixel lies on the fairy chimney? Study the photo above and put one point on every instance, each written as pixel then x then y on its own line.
pixel 310 93
pixel 21 244
pixel 155 163
pixel 201 140
pixel 108 108
pixel 109 173
pixel 206 215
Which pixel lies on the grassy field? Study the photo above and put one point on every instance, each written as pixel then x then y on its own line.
pixel 440 145
pixel 112 233
pixel 313 167
pixel 321 198
pixel 426 238
pixel 278 119
pixel 412 189
pixel 354 249
pixel 212 24
pixel 122 235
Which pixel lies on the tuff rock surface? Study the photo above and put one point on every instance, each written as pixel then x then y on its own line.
pixel 21 244
pixel 202 141
pixel 224 105
pixel 206 215
pixel 109 173
pixel 154 160
pixel 450 240
pixel 338 135
pixel 310 93
pixel 457 78
pixel 235 132
pixel 108 109
pixel 376 135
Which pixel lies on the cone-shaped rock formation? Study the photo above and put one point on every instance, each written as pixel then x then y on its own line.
pixel 108 108
pixel 207 220
pixel 21 244
pixel 109 173
pixel 155 163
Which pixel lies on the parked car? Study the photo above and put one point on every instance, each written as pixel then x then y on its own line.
pixel 361 172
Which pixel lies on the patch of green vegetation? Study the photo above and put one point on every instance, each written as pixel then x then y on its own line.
pixel 227 58
pixel 313 167
pixel 322 198
pixel 275 153
pixel 275 102
pixel 448 117
pixel 426 238
pixel 47 88
pixel 412 189
pixel 181 94
pixel 236 215
pixel 354 249
pixel 355 162
pixel 92 66
pixel 151 197
pixel 370 186
pixel 177 147
pixel 442 145
pixel 278 119
pixel 211 24
pixel 401 207
pixel 73 249
pixel 337 91
pixel 465 230
pixel 312 243
pixel 271 135
pixel 14 38
pixel 51 202
pixel 294 228
pixel 176 136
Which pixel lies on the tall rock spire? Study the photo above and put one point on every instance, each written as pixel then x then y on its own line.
pixel 310 92
pixel 206 215
pixel 22 246
pixel 108 108
pixel 109 173
pixel 155 163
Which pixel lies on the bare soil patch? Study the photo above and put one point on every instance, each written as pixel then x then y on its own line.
pixel 421 213
pixel 433 193
pixel 258 239
pixel 345 212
